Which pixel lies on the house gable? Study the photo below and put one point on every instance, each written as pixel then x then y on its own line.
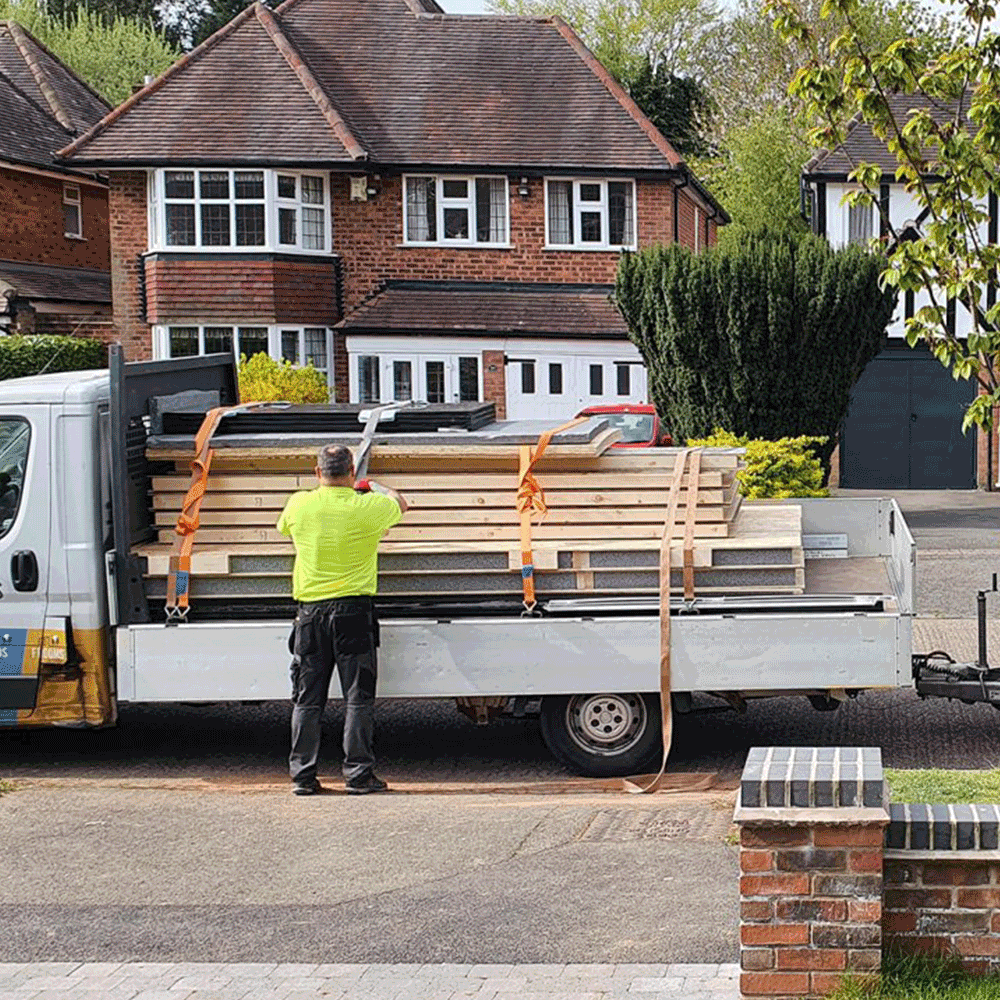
pixel 237 98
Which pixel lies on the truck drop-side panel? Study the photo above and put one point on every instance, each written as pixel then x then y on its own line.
pixel 792 648
pixel 531 656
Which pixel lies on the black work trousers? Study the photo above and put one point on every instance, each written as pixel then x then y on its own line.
pixel 342 633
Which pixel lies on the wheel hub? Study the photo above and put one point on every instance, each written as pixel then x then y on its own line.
pixel 606 723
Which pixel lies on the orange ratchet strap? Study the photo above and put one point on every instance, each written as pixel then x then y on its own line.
pixel 666 554
pixel 531 500
pixel 188 521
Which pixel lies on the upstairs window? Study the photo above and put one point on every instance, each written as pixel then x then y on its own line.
pixel 460 211
pixel 72 212
pixel 860 223
pixel 590 214
pixel 241 209
pixel 301 211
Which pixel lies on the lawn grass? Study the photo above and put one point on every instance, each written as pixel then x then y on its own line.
pixel 922 979
pixel 939 786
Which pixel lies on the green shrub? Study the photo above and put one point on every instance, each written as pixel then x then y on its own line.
pixel 766 335
pixel 788 467
pixel 34 354
pixel 262 380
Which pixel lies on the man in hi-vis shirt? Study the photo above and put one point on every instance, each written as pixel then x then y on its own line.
pixel 336 529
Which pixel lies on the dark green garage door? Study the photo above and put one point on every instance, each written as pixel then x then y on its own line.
pixel 904 427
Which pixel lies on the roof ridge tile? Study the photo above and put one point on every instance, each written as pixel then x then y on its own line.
pixel 68 70
pixel 298 66
pixel 22 40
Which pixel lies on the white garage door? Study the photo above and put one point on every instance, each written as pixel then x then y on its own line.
pixel 556 387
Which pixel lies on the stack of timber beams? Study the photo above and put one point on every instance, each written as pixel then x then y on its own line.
pixel 460 539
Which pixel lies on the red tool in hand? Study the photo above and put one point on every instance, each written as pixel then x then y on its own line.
pixel 362 486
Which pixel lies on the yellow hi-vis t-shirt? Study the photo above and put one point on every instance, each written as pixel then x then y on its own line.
pixel 336 532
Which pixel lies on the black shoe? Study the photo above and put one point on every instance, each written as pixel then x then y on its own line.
pixel 366 785
pixel 307 788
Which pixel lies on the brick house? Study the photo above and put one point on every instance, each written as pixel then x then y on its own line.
pixel 55 250
pixel 427 206
pixel 904 426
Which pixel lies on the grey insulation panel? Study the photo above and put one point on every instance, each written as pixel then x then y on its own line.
pixel 754 557
pixel 611 581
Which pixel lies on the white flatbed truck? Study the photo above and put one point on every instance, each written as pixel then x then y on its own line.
pixel 78 635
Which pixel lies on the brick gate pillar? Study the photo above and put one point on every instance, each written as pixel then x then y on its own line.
pixel 812 824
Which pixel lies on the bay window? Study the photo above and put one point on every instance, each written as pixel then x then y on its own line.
pixel 300 345
pixel 590 214
pixel 240 209
pixel 469 211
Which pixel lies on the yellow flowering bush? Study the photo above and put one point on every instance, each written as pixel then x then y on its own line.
pixel 264 380
pixel 774 470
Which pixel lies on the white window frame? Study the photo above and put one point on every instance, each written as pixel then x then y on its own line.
pixel 77 203
pixel 578 208
pixel 468 203
pixel 158 202
pixel 385 358
pixel 161 339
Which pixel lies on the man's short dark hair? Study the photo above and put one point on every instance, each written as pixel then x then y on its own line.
pixel 334 461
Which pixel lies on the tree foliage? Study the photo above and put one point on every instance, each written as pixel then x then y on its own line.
pixel 110 53
pixel 765 337
pixel 756 175
pixel 938 117
pixel 748 67
pixel 678 106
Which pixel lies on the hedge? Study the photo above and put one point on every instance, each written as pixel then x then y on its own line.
pixel 34 354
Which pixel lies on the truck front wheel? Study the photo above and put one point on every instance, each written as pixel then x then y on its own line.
pixel 602 735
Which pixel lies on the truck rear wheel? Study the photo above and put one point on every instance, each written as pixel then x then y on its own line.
pixel 602 735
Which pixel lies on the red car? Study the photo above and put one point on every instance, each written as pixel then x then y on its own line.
pixel 639 422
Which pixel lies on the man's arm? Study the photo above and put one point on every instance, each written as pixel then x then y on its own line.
pixel 388 492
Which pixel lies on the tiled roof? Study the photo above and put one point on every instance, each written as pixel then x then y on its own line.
pixel 42 103
pixel 487 308
pixel 57 284
pixel 394 83
pixel 862 146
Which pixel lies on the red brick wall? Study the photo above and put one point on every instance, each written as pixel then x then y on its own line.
pixel 128 218
pixel 369 236
pixel 988 455
pixel 940 906
pixel 33 228
pixel 341 378
pixel 233 290
pixel 685 222
pixel 81 325
pixel 810 906
pixel 495 382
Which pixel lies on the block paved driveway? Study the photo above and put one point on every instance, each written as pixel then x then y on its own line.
pixel 262 981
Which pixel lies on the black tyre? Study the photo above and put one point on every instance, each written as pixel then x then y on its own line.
pixel 603 735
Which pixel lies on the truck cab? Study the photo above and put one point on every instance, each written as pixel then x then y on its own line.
pixel 54 521
pixel 639 422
